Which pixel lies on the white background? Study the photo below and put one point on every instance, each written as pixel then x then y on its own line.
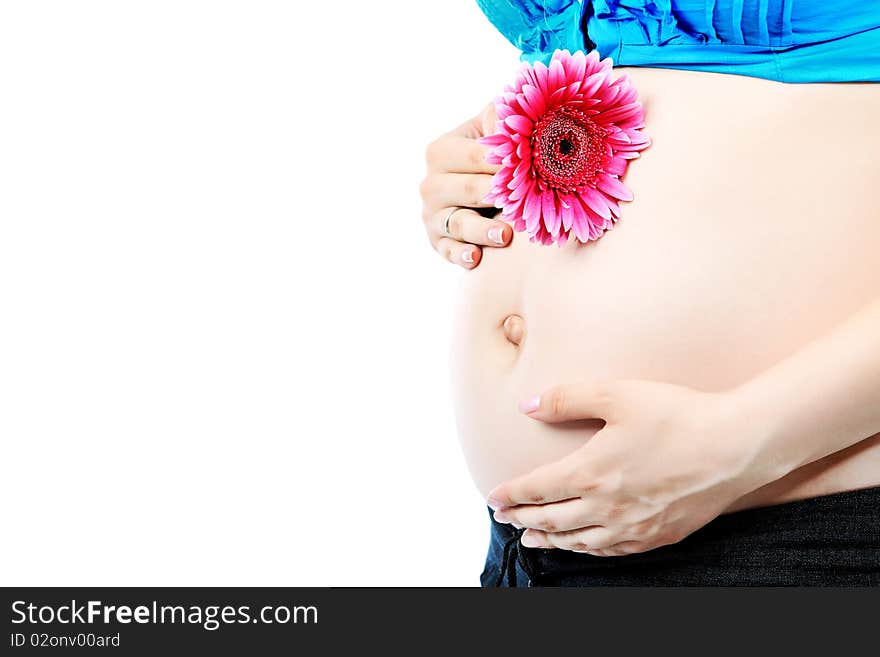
pixel 223 333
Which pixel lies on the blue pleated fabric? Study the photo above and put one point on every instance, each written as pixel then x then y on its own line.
pixel 785 40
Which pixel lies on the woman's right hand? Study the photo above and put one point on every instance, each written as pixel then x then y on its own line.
pixel 459 177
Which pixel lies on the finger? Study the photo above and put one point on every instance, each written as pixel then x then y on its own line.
pixel 455 154
pixel 478 125
pixel 565 403
pixel 620 549
pixel 472 227
pixel 579 540
pixel 549 483
pixel 465 255
pixel 556 517
pixel 488 119
pixel 447 190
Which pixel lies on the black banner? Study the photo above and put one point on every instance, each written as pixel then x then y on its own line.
pixel 263 621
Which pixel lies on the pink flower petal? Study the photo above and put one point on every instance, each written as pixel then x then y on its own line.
pixel 503 176
pixel 526 108
pixel 592 84
pixel 620 113
pixel 613 187
pixel 519 180
pixel 519 123
pixel 532 210
pixel 557 73
pixel 607 93
pixel 535 98
pixel 637 137
pixel 548 210
pixel 505 149
pixel 628 94
pixel 519 192
pixel 594 201
pixel 566 213
pixel 514 208
pixel 577 67
pixel 558 97
pixel 592 62
pixel 541 77
pixel 616 166
pixel 614 207
pixel 580 225
pixel 502 109
pixel 493 140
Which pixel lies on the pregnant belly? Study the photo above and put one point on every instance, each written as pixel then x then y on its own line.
pixel 755 228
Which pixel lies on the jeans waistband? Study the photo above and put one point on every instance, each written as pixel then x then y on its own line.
pixel 828 540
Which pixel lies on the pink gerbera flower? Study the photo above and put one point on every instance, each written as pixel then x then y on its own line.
pixel 565 134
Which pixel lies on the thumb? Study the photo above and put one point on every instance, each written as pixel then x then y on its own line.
pixel 565 403
pixel 488 119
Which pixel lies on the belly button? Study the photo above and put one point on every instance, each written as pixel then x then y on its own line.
pixel 514 329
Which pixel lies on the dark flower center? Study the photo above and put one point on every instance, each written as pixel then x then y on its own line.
pixel 568 149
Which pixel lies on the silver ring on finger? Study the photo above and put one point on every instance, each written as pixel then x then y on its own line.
pixel 446 221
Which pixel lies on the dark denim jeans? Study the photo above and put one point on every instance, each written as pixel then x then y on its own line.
pixel 833 540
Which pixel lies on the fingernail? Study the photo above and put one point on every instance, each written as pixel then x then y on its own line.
pixel 467 256
pixel 496 234
pixel 530 405
pixel 493 503
pixel 530 541
pixel 500 516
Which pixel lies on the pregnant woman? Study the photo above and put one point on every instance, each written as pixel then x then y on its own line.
pixel 694 397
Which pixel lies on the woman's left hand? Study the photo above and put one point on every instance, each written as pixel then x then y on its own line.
pixel 668 460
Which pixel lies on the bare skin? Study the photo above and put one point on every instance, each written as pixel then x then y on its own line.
pixel 752 238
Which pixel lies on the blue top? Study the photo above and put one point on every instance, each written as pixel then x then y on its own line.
pixel 785 40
